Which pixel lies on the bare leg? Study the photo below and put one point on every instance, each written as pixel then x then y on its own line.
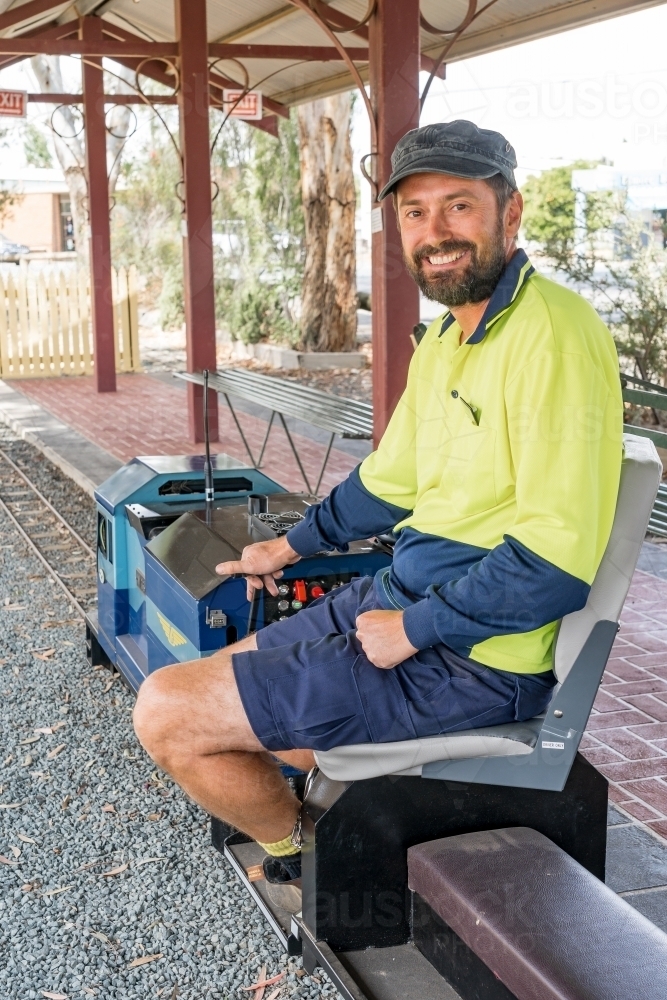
pixel 190 719
pixel 303 759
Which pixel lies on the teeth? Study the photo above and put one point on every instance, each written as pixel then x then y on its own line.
pixel 446 258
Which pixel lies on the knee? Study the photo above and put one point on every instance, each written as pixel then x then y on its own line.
pixel 153 716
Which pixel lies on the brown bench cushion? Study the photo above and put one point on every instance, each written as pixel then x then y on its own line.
pixel 546 927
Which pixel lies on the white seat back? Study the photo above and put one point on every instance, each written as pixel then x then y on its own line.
pixel 640 477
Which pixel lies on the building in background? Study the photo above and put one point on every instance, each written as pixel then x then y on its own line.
pixel 646 193
pixel 40 217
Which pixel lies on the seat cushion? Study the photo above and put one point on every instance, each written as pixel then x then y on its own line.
pixel 546 927
pixel 372 760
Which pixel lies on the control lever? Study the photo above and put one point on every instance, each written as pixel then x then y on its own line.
pixel 209 489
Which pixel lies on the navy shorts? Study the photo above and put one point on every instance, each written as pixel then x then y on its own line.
pixel 309 685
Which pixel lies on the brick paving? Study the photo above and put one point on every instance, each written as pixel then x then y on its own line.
pixel 627 732
pixel 148 417
pixel 626 737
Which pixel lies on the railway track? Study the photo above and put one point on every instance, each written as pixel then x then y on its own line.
pixel 65 555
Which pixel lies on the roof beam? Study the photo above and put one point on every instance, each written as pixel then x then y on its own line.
pixel 539 24
pixel 217 80
pixel 311 53
pixel 344 21
pixel 35 45
pixel 52 98
pixel 50 31
pixel 220 82
pixel 155 70
pixel 27 11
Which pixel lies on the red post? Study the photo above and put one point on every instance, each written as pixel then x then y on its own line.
pixel 198 228
pixel 98 212
pixel 394 77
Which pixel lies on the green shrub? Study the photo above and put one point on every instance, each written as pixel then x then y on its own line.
pixel 172 307
pixel 257 314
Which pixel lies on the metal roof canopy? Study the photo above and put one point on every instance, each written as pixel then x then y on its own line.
pixel 295 78
pixel 293 51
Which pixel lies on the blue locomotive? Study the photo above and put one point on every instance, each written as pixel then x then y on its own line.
pixel 160 536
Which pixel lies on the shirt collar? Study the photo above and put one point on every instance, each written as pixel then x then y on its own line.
pixel 516 274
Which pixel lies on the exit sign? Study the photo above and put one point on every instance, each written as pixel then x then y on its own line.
pixel 240 105
pixel 13 103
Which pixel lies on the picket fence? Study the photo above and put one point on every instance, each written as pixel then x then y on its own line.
pixel 46 329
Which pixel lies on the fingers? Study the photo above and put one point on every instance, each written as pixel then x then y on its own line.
pixel 229 568
pixel 253 583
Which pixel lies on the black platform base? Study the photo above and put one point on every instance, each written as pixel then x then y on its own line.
pixel 356 836
pixel 357 913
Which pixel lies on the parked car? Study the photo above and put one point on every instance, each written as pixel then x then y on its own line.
pixel 10 252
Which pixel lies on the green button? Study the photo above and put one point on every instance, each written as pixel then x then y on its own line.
pixel 296 605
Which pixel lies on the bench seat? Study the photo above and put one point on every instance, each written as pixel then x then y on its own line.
pixel 408 757
pixel 544 926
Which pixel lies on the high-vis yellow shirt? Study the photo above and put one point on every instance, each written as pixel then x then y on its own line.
pixel 498 471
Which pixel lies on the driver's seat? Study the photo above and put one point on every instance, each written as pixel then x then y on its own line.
pixel 538 753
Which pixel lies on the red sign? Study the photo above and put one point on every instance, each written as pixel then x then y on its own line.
pixel 13 103
pixel 240 105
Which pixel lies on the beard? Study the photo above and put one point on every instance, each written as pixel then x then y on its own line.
pixel 475 284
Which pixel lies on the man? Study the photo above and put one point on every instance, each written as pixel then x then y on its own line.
pixel 498 472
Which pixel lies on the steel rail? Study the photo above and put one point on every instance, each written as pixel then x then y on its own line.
pixel 5 457
pixel 87 554
pixel 47 565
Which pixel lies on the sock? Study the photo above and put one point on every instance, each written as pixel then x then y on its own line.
pixel 281 848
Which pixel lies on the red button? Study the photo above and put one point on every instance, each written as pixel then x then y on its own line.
pixel 300 590
pixel 316 591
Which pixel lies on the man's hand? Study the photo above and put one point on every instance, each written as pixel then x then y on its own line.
pixel 383 638
pixel 261 564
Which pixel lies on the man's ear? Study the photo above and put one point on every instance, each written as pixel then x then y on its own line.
pixel 513 213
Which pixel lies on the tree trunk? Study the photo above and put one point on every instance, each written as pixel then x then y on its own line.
pixel 329 300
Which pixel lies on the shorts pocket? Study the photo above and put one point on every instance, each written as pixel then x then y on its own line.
pixel 384 704
pixel 318 707
pixel 461 703
pixel 325 735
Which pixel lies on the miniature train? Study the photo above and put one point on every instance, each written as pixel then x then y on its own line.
pixel 417 880
pixel 160 600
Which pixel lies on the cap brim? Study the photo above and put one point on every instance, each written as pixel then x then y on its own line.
pixel 455 166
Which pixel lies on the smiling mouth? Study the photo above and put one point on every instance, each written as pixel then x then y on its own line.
pixel 448 258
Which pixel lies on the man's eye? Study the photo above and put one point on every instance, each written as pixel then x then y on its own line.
pixel 414 213
pixel 461 207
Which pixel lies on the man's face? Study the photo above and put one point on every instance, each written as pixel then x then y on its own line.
pixel 455 239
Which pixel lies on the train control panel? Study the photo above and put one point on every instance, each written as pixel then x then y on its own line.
pixel 160 600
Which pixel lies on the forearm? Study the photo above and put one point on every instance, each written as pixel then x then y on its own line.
pixel 349 512
pixel 510 590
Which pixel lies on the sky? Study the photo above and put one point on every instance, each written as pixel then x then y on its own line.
pixel 591 93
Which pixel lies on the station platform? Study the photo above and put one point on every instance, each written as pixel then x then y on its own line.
pixel 147 415
pixel 89 436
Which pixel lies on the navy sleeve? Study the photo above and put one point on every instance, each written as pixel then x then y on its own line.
pixel 510 590
pixel 349 513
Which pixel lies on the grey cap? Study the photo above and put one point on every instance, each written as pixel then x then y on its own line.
pixel 459 148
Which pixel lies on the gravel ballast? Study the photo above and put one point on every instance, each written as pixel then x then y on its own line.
pixel 104 860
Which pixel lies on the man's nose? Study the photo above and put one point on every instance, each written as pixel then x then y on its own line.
pixel 439 230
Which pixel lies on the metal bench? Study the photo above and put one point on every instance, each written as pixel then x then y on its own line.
pixel 653 396
pixel 349 418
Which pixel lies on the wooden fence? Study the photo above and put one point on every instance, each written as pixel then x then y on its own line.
pixel 45 325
